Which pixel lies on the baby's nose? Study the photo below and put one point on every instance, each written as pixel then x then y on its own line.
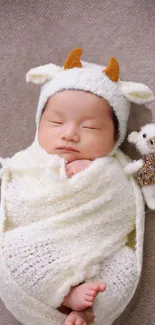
pixel 151 142
pixel 70 133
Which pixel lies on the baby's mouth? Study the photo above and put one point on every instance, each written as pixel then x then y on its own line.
pixel 67 149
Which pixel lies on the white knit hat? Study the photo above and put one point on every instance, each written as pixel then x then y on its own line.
pixel 101 81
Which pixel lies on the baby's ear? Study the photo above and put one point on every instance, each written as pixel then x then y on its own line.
pixel 133 137
pixel 136 92
pixel 43 73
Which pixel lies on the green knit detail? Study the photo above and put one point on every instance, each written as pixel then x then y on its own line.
pixel 132 240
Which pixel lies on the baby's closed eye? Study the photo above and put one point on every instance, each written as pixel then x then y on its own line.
pixel 56 122
pixel 91 127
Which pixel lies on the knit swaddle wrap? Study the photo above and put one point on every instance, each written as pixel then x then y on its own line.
pixel 55 230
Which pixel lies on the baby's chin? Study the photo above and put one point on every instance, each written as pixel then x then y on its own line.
pixel 70 156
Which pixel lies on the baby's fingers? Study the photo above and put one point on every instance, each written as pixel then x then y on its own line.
pixel 70 171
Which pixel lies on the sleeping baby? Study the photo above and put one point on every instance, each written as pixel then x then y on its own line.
pixel 67 207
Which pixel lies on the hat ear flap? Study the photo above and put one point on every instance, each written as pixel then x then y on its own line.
pixel 136 92
pixel 42 73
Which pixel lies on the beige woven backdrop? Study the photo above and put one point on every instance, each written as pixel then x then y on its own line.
pixel 34 32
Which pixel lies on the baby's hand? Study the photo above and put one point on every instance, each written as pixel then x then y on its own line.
pixel 76 166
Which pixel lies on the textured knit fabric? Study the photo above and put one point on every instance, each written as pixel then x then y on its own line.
pixel 57 232
pixel 146 175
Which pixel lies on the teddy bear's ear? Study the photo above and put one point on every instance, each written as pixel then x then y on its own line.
pixel 136 92
pixel 42 73
pixel 132 137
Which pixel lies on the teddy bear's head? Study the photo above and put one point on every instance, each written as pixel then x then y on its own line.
pixel 144 140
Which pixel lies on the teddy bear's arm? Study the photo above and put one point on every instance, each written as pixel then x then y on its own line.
pixel 134 167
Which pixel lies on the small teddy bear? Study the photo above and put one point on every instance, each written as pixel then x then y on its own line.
pixel 145 167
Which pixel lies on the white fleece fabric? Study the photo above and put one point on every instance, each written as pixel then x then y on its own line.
pixel 57 232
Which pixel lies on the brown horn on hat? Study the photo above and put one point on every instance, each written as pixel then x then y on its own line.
pixel 73 60
pixel 112 70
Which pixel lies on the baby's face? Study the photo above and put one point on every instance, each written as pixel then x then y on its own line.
pixel 77 125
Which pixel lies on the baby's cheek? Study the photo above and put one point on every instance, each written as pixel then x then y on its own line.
pixel 101 148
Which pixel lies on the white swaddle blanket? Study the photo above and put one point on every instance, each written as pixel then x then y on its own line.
pixel 57 232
